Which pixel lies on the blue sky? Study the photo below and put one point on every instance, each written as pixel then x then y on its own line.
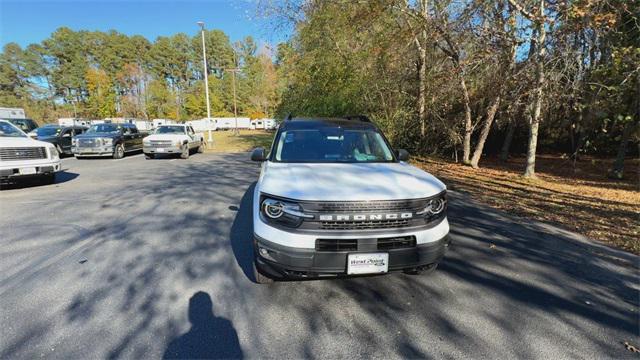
pixel 29 21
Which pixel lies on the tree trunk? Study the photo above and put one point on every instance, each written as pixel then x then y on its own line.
pixel 506 145
pixel 484 133
pixel 530 170
pixel 468 125
pixel 422 89
pixel 618 167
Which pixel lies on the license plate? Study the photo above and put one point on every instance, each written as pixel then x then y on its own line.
pixel 375 263
pixel 27 171
pixel 160 150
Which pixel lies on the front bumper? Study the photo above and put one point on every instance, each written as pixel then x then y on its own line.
pixel 10 170
pixel 288 262
pixel 92 151
pixel 161 150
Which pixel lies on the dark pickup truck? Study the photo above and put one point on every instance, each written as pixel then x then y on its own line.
pixel 59 135
pixel 108 139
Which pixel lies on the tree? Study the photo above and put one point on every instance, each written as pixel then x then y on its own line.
pixel 102 97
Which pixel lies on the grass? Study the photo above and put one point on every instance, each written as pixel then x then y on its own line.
pixel 583 199
pixel 246 140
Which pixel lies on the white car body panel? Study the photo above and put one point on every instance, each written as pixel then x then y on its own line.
pixel 347 182
pixel 52 159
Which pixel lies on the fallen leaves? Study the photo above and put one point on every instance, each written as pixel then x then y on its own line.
pixel 582 199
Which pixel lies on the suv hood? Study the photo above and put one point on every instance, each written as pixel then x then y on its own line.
pixel 348 182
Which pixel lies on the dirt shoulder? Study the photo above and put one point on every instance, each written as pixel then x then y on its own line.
pixel 581 199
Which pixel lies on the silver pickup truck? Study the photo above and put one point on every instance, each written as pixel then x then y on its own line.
pixel 173 139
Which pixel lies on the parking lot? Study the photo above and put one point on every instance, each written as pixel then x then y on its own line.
pixel 103 264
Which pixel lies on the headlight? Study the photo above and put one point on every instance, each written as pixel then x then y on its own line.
pixel 74 141
pixel 435 207
pixel 107 141
pixel 54 152
pixel 178 143
pixel 281 212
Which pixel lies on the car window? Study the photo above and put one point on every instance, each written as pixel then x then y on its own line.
pixel 133 130
pixel 332 145
pixel 9 130
pixel 126 130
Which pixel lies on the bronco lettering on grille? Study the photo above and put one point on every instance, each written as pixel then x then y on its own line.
pixel 364 217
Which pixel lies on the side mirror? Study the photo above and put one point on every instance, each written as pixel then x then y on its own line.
pixel 403 155
pixel 258 154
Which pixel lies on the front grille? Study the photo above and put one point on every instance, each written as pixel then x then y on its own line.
pixel 401 242
pixel 22 153
pixel 87 142
pixel 336 244
pixel 363 206
pixel 160 143
pixel 368 224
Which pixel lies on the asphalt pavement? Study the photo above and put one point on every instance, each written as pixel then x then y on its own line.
pixel 138 258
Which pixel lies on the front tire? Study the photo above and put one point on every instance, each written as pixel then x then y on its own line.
pixel 185 152
pixel 259 277
pixel 201 147
pixel 149 156
pixel 118 152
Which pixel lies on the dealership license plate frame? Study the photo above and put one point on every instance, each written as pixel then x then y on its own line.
pixel 368 268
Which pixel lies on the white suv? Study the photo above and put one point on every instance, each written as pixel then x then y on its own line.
pixel 22 156
pixel 333 199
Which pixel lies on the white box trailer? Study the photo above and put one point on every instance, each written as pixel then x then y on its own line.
pixel 74 122
pixel 12 113
pixel 230 123
pixel 204 124
pixel 263 124
pixel 157 122
pixel 143 125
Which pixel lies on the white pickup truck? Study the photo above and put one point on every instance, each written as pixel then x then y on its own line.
pixel 173 139
pixel 22 156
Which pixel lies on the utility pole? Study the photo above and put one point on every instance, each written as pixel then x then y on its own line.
pixel 206 82
pixel 235 109
pixel 233 71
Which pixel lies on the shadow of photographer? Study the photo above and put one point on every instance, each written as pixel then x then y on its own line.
pixel 210 337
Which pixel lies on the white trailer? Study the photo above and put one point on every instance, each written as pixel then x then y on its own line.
pixel 230 123
pixel 74 122
pixel 263 124
pixel 158 122
pixel 12 113
pixel 204 124
pixel 143 125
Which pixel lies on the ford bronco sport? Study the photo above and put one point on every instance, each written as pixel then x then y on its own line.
pixel 333 199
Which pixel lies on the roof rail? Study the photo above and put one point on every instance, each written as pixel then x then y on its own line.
pixel 362 118
pixel 289 117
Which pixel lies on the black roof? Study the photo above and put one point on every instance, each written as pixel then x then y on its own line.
pixel 326 122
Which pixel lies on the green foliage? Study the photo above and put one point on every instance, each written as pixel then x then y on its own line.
pixel 98 74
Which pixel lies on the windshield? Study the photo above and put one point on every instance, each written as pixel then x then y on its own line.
pixel 48 131
pixel 332 145
pixel 170 130
pixel 8 130
pixel 103 128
